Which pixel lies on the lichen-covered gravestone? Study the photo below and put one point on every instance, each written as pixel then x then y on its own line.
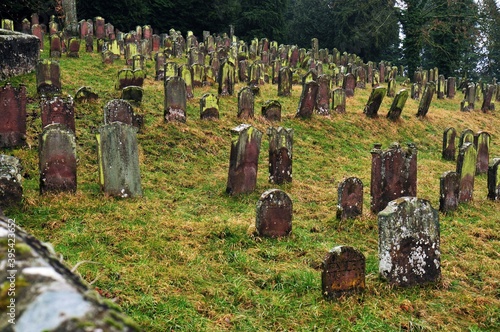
pixel 243 160
pixel 58 110
pixel 467 136
pixel 187 75
pixel 449 146
pixel 374 102
pixel 409 242
pixel 466 168
pixel 13 116
pixel 280 154
pixel 209 106
pixel 55 46
pixel 129 77
pixel 349 85
pixel 451 87
pixel 119 110
pixel 285 82
pixel 11 189
pixel 397 106
pixel 338 100
pixel 494 180
pixel 85 93
pixel 274 214
pixel 57 159
pixel 425 102
pixel 226 79
pixel 468 103
pixel 175 100
pixel 48 77
pixel 343 272
pixel 449 191
pixel 160 60
pixel 307 103
pixel 118 154
pixel 488 96
pixel 482 144
pixel 19 53
pixel 350 199
pixel 245 103
pixel 323 96
pixel 271 110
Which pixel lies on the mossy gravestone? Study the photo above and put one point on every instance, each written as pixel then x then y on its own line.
pixel 175 100
pixel 425 102
pixel 271 110
pixel 280 154
pixel 466 168
pixel 119 110
pixel 118 154
pixel 187 75
pixel 285 82
pixel 397 105
pixel 58 110
pixel 307 103
pixel 350 199
pixel 11 189
pixel 349 85
pixel 482 144
pixel 226 79
pixel 245 103
pixel 467 136
pixel 274 214
pixel 209 106
pixel 13 116
pixel 343 272
pixel 48 77
pixel 409 242
pixel 449 191
pixel 449 145
pixel 374 102
pixel 494 180
pixel 338 101
pixel 57 159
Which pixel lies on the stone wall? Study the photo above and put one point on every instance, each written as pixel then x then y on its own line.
pixel 19 53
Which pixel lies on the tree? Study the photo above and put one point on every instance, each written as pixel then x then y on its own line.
pixel 262 19
pixel 488 46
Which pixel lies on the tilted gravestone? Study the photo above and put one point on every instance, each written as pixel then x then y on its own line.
pixel 48 78
pixel 245 103
pixel 482 144
pixel 338 101
pixel 285 82
pixel 488 97
pixel 391 88
pixel 57 159
pixel 243 160
pixel 58 110
pixel 280 154
pixel 11 189
pixel 467 136
pixel 209 106
pixel 307 103
pixel 393 174
pixel 175 100
pixel 374 102
pixel 449 191
pixel 494 180
pixel 85 93
pixel 13 116
pixel 350 199
pixel 271 110
pixel 425 102
pixel 409 242
pixel 398 104
pixel 349 85
pixel 119 173
pixel 466 168
pixel 119 110
pixel 469 101
pixel 343 272
pixel 226 79
pixel 274 214
pixel 323 96
pixel 449 145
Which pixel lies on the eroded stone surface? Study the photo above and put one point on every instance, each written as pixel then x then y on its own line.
pixel 374 102
pixel 343 272
pixel 274 214
pixel 397 106
pixel 209 106
pixel 482 144
pixel 11 189
pixel 449 145
pixel 449 191
pixel 350 199
pixel 494 180
pixel 307 103
pixel 280 154
pixel 271 110
pixel 175 99
pixel 13 116
pixel 19 53
pixel 245 103
pixel 425 102
pixel 58 110
pixel 466 168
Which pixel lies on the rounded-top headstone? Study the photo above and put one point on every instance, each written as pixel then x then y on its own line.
pixel 274 214
pixel 343 272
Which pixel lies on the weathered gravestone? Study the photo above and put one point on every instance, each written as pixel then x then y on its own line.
pixel 409 242
pixel 85 93
pixel 449 191
pixel 323 96
pixel 360 78
pixel 226 79
pixel 11 189
pixel 200 75
pixel 349 85
pixel 343 272
pixel 451 83
pixel 350 199
pixel 425 102
pixel 338 101
pixel 271 110
pixel 119 110
pixel 171 70
pixel 48 78
pixel 245 103
pixel 494 180
pixel 132 93
pixel 58 110
pixel 441 87
pixel 19 53
pixel 57 159
pixel 243 160
pixel 482 144
pixel 487 98
pixel 391 88
pixel 374 102
pixel 307 103
pixel 466 168
pixel 129 77
pixel 138 62
pixel 285 82
pixel 467 136
pixel 175 100
pixel 274 214
pixel 209 106
pixel 74 48
pixel 160 60
pixel 37 31
pixel 187 75
pixel 393 174
pixel 449 145
pixel 55 46
pixel 107 57
pixel 119 173
pixel 99 30
pixel 280 154
pixel 468 103
pixel 13 116
pixel 398 104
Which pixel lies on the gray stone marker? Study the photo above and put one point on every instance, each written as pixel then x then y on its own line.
pixel 466 168
pixel 120 110
pixel 280 154
pixel 323 96
pixel 338 101
pixel 285 82
pixel 160 60
pixel 468 103
pixel 209 106
pixel 425 102
pixel 48 80
pixel 119 173
pixel 391 88
pixel 274 214
pixel 449 191
pixel 58 110
pixel 441 87
pixel 393 174
pixel 271 110
pixel 374 102
pixel 494 180
pixel 398 104
pixel 343 272
pixel 449 143
pixel 11 189
pixel 409 242
pixel 13 116
pixel 488 97
pixel 175 100
pixel 243 160
pixel 349 85
pixel 57 159
pixel 245 103
pixel 482 144
pixel 307 102
pixel 451 87
pixel 350 199
pixel 226 79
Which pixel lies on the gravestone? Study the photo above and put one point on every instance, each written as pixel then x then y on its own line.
pixel 349 85
pixel 323 96
pixel 451 87
pixel 13 116
pixel 307 102
pixel 133 93
pixel 441 87
pixel 425 102
pixel 100 31
pixel 391 88
pixel 343 272
pixel 175 100
pixel 449 146
pixel 416 90
pixel 350 199
pixel 398 104
pixel 374 102
pixel 187 75
pixel 276 67
pixel 209 76
pixel 85 93
pixel 138 61
pixel 129 77
pixel 57 159
pixel 11 189
pixel 89 44
pixel 199 75
pixel 488 97
pixel 55 46
pixel 160 60
pixel 466 168
pixel 482 144
pixel 48 79
pixel 468 103
pixel 58 110
pixel 119 110
pixel 245 103
pixel 285 82
pixel 107 57
pixel 274 214
pixel 409 242
pixel 119 173
pixel 494 180
pixel 271 110
pixel 449 191
pixel 74 48
pixel 37 31
pixel 393 174
pixel 280 154
pixel 467 136
pixel 243 160
pixel 338 101
pixel 209 106
pixel 226 79
pixel 360 78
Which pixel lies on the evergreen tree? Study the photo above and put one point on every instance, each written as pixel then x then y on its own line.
pixel 488 47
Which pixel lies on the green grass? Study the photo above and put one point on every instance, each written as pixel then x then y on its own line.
pixel 183 256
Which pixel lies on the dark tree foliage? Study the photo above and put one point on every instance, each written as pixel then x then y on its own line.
pixel 488 48
pixel 262 18
pixel 17 10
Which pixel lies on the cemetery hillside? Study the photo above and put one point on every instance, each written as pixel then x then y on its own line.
pixel 190 180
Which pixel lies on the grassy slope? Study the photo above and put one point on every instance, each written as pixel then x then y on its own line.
pixel 182 257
